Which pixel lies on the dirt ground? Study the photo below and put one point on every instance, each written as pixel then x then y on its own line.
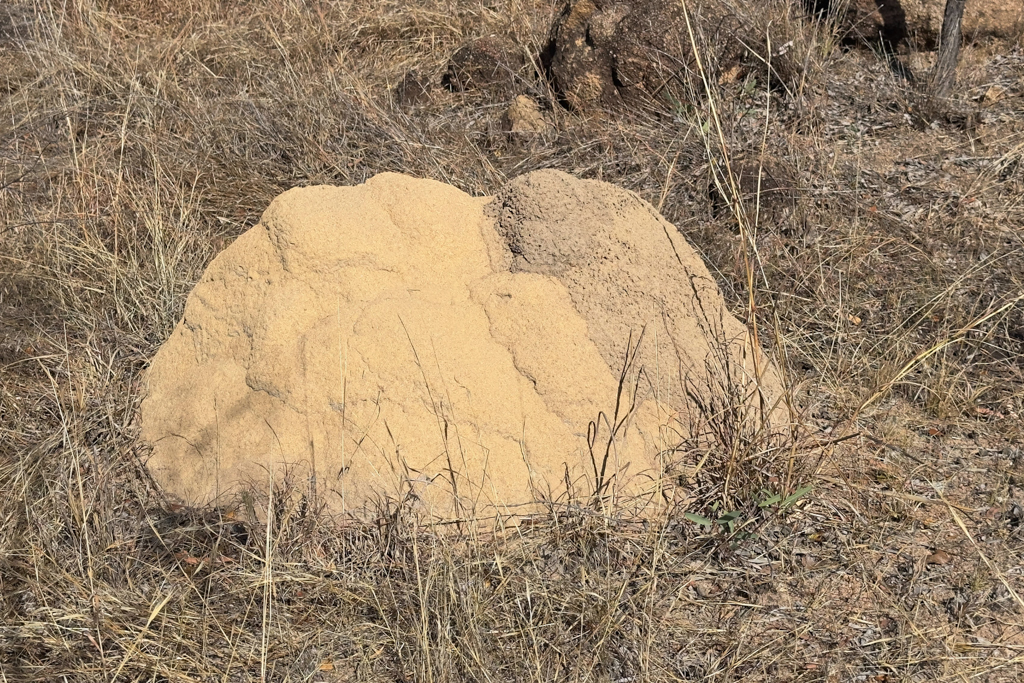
pixel 875 243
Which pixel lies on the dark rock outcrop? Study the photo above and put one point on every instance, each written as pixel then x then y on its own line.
pixel 607 54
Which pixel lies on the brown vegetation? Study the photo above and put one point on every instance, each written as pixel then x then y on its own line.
pixel 138 138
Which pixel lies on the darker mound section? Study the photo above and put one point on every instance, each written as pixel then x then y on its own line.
pixel 626 269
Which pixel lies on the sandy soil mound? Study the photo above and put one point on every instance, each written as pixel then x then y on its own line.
pixel 401 337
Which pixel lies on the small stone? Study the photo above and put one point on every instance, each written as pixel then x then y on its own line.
pixel 524 116
pixel 994 94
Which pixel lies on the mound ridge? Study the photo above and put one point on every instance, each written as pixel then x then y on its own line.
pixel 402 339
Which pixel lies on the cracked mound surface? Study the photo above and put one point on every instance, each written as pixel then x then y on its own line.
pixel 401 337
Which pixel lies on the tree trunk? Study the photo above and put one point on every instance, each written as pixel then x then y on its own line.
pixel 944 72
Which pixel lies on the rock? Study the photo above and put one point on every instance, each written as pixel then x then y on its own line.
pixel 611 55
pixel 939 557
pixel 489 63
pixel 412 91
pixel 920 21
pixel 767 189
pixel 403 340
pixel 524 116
pixel 993 94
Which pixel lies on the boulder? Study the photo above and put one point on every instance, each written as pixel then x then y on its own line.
pixel 607 54
pixel 402 340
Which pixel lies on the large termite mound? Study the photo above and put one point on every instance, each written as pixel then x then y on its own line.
pixel 402 340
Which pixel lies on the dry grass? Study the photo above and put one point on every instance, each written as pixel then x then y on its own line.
pixel 880 263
